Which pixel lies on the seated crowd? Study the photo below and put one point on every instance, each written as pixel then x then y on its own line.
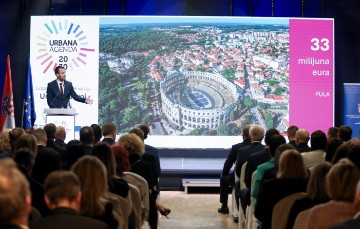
pixel 93 182
pixel 295 184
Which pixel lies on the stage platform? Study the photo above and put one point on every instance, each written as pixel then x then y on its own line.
pixel 179 164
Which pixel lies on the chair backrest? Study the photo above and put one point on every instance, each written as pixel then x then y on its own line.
pixel 142 185
pixel 301 219
pixel 136 205
pixel 242 176
pixel 282 209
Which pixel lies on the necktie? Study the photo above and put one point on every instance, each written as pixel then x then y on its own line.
pixel 61 90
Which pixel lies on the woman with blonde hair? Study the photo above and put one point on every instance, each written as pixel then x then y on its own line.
pixel 341 186
pixel 291 178
pixel 96 202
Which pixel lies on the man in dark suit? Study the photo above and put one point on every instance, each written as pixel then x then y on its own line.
pixel 15 201
pixel 227 179
pixel 109 133
pixel 63 197
pixel 87 139
pixel 58 92
pixel 60 136
pixel 291 132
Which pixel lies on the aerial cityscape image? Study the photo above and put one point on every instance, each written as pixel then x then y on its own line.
pixel 194 75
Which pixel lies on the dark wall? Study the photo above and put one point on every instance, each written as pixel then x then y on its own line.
pixel 15 28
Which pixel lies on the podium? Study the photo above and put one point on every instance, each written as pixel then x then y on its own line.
pixel 62 117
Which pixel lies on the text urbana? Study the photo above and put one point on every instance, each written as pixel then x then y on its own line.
pixel 63 45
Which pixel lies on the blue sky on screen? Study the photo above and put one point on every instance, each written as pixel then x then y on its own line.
pixel 108 20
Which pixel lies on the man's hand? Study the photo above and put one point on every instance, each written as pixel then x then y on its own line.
pixel 88 100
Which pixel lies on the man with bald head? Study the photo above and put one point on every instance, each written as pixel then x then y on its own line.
pixel 301 140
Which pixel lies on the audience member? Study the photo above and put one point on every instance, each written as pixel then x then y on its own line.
pixel 341 185
pixel 63 197
pixel 15 199
pixel 291 178
pixel 332 133
pixel 46 161
pixel 5 147
pixel 301 140
pixel 355 222
pixel 226 178
pixel 73 151
pixel 27 141
pixel 97 133
pixel 109 133
pixel 318 143
pixel 344 133
pixel 95 200
pixel 316 193
pixel 354 151
pixel 341 152
pixel 25 162
pixel 291 132
pixel 276 144
pixel 60 136
pixel 87 139
pixel 331 148
pixel 135 147
pixel 14 135
pixel 41 138
pixel 253 162
pixel 150 149
pixel 50 130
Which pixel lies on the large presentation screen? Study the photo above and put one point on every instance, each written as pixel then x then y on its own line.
pixel 190 76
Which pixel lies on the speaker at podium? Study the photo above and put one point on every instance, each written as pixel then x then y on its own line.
pixel 62 117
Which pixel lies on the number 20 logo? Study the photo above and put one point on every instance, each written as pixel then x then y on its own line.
pixel 322 44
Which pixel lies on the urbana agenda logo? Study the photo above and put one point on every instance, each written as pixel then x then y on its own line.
pixel 62 43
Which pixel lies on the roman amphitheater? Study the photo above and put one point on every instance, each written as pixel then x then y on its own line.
pixel 197 99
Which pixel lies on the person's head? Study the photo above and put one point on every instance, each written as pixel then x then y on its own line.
pixel 46 161
pixel 318 140
pixel 60 133
pixel 27 141
pixel 274 142
pixel 122 158
pixel 40 136
pixel 291 166
pixel 245 133
pixel 291 131
pixel 332 133
pixel 345 133
pixel 73 151
pixel 14 136
pixel 354 151
pixel 50 130
pixel 256 133
pixel 301 136
pixel 94 184
pixel 62 186
pixel 331 148
pixel 342 180
pixel 87 135
pixel 145 129
pixel 29 130
pixel 97 132
pixel 132 143
pixel 279 150
pixel 340 153
pixel 5 141
pixel 60 73
pixel 103 151
pixel 269 133
pixel 316 190
pixel 24 159
pixel 138 132
pixel 109 130
pixel 15 197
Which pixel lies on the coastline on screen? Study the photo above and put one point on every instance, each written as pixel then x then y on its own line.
pixel 191 79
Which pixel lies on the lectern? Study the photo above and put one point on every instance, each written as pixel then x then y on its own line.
pixel 62 117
